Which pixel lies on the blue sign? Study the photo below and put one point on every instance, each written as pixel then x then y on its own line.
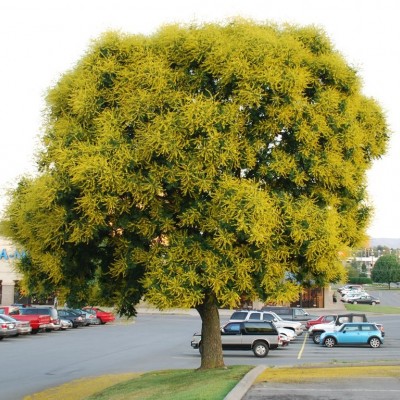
pixel 11 255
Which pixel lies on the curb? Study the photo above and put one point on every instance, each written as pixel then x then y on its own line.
pixel 245 384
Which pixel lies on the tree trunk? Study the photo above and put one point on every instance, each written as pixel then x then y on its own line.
pixel 211 354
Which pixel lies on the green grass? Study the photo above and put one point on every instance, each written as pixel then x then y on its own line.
pixel 176 385
pixel 202 385
pixel 374 309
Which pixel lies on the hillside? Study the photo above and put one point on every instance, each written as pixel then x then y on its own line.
pixel 388 242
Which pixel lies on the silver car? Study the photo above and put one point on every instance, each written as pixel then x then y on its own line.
pixel 65 324
pixel 7 328
pixel 23 327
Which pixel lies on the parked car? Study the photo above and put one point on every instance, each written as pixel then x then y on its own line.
pixel 354 333
pixel 89 316
pixel 54 323
pixel 287 335
pixel 71 315
pixel 290 313
pixel 23 327
pixel 351 295
pixel 7 328
pixel 349 287
pixel 323 319
pixel 65 324
pixel 253 315
pixel 103 316
pixel 260 337
pixel 364 299
pixel 315 331
pixel 295 326
pixel 38 322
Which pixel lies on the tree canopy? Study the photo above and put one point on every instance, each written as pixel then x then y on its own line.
pixel 386 269
pixel 200 164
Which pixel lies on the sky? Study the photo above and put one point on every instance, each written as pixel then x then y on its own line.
pixel 42 39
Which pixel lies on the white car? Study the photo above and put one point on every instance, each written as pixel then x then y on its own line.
pixel 252 315
pixel 295 326
pixel 287 334
pixel 352 295
pixel 349 287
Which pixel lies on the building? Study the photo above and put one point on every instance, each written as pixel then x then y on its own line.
pixel 316 297
pixel 9 278
pixel 363 264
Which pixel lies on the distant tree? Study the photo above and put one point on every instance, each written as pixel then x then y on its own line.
pixel 199 165
pixel 386 269
pixel 363 267
pixel 352 270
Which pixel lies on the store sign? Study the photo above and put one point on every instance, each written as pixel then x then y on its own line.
pixel 10 255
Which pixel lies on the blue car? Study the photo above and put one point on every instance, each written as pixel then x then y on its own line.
pixel 353 333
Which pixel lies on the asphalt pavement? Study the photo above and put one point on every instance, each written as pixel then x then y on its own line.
pixel 382 388
pixel 337 389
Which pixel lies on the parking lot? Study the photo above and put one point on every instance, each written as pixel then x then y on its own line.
pixel 337 389
pixel 155 341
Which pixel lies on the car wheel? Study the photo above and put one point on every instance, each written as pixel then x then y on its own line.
pixel 354 302
pixel 374 342
pixel 260 349
pixel 317 337
pixel 373 303
pixel 329 342
pixel 201 348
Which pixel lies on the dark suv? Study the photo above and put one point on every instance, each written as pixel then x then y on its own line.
pixel 259 337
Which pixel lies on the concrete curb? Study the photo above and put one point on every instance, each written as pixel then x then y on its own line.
pixel 245 384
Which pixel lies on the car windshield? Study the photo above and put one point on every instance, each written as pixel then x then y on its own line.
pixel 7 318
pixel 300 311
pixel 32 311
pixel 239 315
pixel 277 316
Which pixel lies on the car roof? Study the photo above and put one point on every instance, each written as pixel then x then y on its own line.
pixel 249 322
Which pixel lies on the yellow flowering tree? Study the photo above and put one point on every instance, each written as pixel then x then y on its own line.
pixel 198 165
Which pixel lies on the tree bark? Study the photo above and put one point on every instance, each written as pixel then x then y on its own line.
pixel 211 354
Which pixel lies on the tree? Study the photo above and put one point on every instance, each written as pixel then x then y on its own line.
pixel 198 165
pixel 386 269
pixel 352 270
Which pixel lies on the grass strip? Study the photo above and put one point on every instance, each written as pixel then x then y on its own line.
pixel 177 385
pixel 304 375
pixel 79 389
pixel 379 309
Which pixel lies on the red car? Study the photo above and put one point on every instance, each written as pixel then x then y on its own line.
pixel 323 319
pixel 103 316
